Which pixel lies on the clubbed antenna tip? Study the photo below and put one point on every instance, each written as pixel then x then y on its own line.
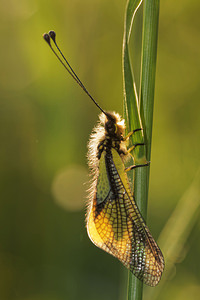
pixel 52 35
pixel 46 37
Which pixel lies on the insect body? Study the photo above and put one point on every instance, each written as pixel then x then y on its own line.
pixel 114 222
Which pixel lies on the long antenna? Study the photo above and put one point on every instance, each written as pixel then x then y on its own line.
pixel 52 35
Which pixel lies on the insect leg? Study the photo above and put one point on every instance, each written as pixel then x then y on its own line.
pixel 133 147
pixel 131 133
pixel 137 166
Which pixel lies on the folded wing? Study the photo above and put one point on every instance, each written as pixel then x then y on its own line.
pixel 116 225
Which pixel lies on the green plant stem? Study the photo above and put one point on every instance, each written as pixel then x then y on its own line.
pixel 131 108
pixel 148 67
pixel 146 102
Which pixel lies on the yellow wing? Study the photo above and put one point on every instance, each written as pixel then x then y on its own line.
pixel 115 224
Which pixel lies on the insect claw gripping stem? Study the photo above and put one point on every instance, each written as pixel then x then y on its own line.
pixel 134 146
pixel 137 166
pixel 131 133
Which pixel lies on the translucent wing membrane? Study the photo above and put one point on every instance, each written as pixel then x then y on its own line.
pixel 116 226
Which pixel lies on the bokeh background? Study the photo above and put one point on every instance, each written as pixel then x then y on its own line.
pixel 46 121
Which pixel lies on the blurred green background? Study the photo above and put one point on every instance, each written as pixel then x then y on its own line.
pixel 46 121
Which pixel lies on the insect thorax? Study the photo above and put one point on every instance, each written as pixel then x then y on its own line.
pixel 114 134
pixel 107 135
pixel 108 143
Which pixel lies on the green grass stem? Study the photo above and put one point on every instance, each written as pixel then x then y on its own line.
pixel 139 113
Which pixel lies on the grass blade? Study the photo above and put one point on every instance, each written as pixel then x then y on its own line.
pixel 133 109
